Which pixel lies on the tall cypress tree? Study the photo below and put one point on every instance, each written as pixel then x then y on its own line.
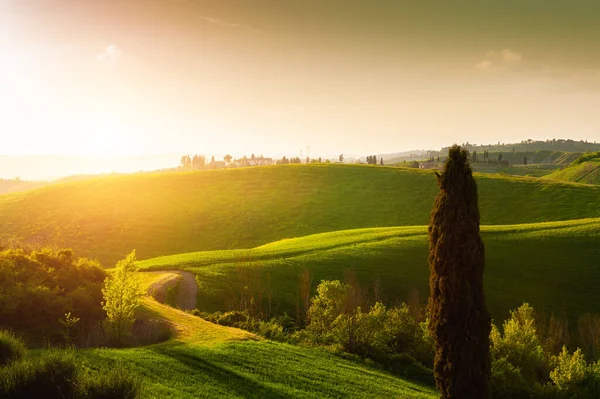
pixel 459 320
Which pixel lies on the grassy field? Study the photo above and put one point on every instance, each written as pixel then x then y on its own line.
pixel 586 172
pixel 169 213
pixel 204 360
pixel 553 266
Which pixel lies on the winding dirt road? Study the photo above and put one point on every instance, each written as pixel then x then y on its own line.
pixel 187 293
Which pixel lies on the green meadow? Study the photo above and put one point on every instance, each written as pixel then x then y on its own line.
pixel 536 263
pixel 170 213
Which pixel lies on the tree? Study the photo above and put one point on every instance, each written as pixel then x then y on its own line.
pixel 499 157
pixel 227 158
pixel 525 161
pixel 381 162
pixel 459 320
pixel 122 294
pixel 341 158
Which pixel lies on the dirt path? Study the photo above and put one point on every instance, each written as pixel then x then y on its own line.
pixel 188 291
pixel 186 294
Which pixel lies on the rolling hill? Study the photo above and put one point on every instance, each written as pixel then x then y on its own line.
pixel 170 213
pixel 536 263
pixel 585 169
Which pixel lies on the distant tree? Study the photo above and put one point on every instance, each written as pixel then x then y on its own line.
pixel 252 156
pixel 122 295
pixel 341 158
pixel 459 320
pixel 474 156
pixel 227 158
pixel 319 159
pixel 500 157
pixel 381 162
pixel 212 159
pixel 525 161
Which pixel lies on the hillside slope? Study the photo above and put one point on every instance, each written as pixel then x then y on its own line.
pixel 535 263
pixel 204 360
pixel 585 169
pixel 169 213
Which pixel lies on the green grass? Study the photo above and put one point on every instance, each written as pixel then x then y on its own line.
pixel 553 266
pixel 586 172
pixel 252 369
pixel 205 360
pixel 169 213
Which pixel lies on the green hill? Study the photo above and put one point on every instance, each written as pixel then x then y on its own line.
pixel 205 360
pixel 169 213
pixel 585 169
pixel 553 266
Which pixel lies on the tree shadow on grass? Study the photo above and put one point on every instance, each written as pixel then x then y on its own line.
pixel 235 383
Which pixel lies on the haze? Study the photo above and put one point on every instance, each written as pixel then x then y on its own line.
pixel 122 78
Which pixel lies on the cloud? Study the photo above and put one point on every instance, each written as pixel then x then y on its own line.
pixel 111 54
pixel 499 59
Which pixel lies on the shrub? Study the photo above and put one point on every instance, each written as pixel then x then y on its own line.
pixel 574 378
pixel 45 285
pixel 508 382
pixel 407 366
pixel 233 319
pixel 117 384
pixel 52 374
pixel 520 346
pixel 11 348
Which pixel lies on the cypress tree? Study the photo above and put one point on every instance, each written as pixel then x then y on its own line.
pixel 459 321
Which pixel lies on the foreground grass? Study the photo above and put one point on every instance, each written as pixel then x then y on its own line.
pixel 204 360
pixel 553 266
pixel 169 213
pixel 252 369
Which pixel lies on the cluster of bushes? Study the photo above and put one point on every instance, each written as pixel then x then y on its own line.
pixel 56 374
pixel 523 367
pixel 59 293
pixel 335 318
pixel 279 328
pixel 527 363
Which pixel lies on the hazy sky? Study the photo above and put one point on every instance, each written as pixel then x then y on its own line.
pixel 123 77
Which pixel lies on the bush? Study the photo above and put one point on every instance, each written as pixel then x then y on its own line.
pixel 508 382
pixel 407 366
pixel 574 378
pixel 45 285
pixel 520 346
pixel 233 319
pixel 52 374
pixel 11 348
pixel 118 384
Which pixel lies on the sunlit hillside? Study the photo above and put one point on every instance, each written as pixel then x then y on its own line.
pixel 553 257
pixel 585 169
pixel 170 213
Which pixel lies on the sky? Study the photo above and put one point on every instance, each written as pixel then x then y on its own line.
pixel 139 77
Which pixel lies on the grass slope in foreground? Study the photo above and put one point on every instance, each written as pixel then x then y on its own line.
pixel 553 266
pixel 204 360
pixel 169 213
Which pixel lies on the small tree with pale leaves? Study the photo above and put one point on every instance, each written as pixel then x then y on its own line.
pixel 122 293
